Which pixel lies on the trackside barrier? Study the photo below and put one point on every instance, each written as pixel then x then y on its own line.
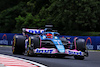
pixel 92 42
pixel 7 38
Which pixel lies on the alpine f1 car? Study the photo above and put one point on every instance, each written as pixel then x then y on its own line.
pixel 47 42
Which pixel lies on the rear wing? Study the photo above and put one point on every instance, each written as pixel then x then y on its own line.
pixel 38 31
pixel 32 31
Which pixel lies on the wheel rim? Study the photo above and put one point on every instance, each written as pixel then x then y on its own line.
pixel 28 52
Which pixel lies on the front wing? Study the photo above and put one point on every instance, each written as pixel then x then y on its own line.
pixel 55 51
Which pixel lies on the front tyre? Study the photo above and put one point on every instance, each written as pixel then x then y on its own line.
pixel 34 42
pixel 30 48
pixel 80 43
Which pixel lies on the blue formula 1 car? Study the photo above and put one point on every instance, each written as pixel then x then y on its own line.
pixel 47 42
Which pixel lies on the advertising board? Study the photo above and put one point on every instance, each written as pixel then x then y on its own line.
pixel 92 42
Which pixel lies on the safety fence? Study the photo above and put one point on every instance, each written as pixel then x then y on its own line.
pixel 92 42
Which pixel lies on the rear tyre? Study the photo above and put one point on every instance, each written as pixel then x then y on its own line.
pixel 18 46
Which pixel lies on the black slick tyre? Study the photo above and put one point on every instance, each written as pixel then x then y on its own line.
pixel 80 45
pixel 18 46
pixel 34 42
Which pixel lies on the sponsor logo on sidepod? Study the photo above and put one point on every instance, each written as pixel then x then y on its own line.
pixel 44 51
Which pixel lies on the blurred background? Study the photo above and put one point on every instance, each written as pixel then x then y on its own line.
pixel 70 17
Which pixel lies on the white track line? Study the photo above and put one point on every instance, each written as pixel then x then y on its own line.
pixel 37 64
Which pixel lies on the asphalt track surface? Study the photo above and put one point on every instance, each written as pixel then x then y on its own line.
pixel 92 61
